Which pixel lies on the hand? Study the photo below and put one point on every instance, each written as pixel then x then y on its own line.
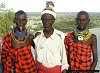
pixel 64 71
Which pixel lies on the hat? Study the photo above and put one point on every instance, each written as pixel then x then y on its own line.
pixel 49 9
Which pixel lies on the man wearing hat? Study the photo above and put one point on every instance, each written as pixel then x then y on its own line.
pixel 50 49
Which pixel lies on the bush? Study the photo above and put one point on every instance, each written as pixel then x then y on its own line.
pixel 6 18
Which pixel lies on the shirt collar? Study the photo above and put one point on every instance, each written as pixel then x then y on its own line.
pixel 52 36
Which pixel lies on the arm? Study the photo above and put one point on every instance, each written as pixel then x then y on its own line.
pixel 64 57
pixel 30 39
pixel 94 52
pixel 6 60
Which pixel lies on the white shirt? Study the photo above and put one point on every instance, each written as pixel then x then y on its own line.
pixel 51 51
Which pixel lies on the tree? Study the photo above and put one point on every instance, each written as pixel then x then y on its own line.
pixel 6 20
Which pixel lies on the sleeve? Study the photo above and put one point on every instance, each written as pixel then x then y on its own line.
pixel 33 52
pixel 36 40
pixel 64 61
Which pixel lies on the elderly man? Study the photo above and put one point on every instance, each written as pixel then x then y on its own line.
pixel 51 54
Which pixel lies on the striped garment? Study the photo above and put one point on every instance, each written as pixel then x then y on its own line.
pixel 79 55
pixel 20 60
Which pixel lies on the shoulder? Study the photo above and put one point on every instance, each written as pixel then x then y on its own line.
pixel 69 34
pixel 31 37
pixel 94 37
pixel 58 32
pixel 7 37
pixel 9 34
pixel 37 33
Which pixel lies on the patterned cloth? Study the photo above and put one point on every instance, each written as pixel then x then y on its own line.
pixel 20 59
pixel 79 55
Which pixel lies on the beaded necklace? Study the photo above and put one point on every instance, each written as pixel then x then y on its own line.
pixel 82 35
pixel 19 38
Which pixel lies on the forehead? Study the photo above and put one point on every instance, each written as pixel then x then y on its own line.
pixel 47 16
pixel 83 17
pixel 20 16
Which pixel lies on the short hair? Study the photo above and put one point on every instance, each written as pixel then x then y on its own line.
pixel 83 13
pixel 20 12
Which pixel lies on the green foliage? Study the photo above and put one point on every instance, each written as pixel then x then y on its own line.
pixel 39 27
pixel 2 5
pixel 6 18
pixel 66 21
pixel 30 29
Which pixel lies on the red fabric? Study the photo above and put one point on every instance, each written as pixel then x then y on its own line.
pixel 79 55
pixel 43 69
pixel 20 58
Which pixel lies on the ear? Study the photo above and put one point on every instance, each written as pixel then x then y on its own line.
pixel 53 21
pixel 88 21
pixel 14 20
pixel 76 20
pixel 41 18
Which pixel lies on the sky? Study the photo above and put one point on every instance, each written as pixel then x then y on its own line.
pixel 60 5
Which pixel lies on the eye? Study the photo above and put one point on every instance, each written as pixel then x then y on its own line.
pixel 24 19
pixel 82 19
pixel 21 19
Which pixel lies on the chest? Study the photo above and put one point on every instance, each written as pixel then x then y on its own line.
pixel 48 43
pixel 88 42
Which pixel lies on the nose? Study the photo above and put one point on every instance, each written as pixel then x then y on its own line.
pixel 46 22
pixel 81 21
pixel 21 22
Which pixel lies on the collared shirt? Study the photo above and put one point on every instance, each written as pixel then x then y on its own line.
pixel 51 50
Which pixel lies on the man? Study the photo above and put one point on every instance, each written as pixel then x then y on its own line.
pixel 80 44
pixel 16 50
pixel 51 54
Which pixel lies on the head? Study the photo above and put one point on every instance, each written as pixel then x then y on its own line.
pixel 20 19
pixel 48 17
pixel 82 19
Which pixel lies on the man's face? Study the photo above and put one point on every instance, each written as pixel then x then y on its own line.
pixel 47 21
pixel 82 21
pixel 21 21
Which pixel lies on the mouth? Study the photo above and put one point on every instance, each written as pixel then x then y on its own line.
pixel 81 25
pixel 46 26
pixel 21 25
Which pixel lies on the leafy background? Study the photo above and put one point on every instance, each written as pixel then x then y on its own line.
pixel 65 21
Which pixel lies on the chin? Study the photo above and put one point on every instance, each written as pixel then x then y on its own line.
pixel 46 28
pixel 82 28
pixel 22 26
